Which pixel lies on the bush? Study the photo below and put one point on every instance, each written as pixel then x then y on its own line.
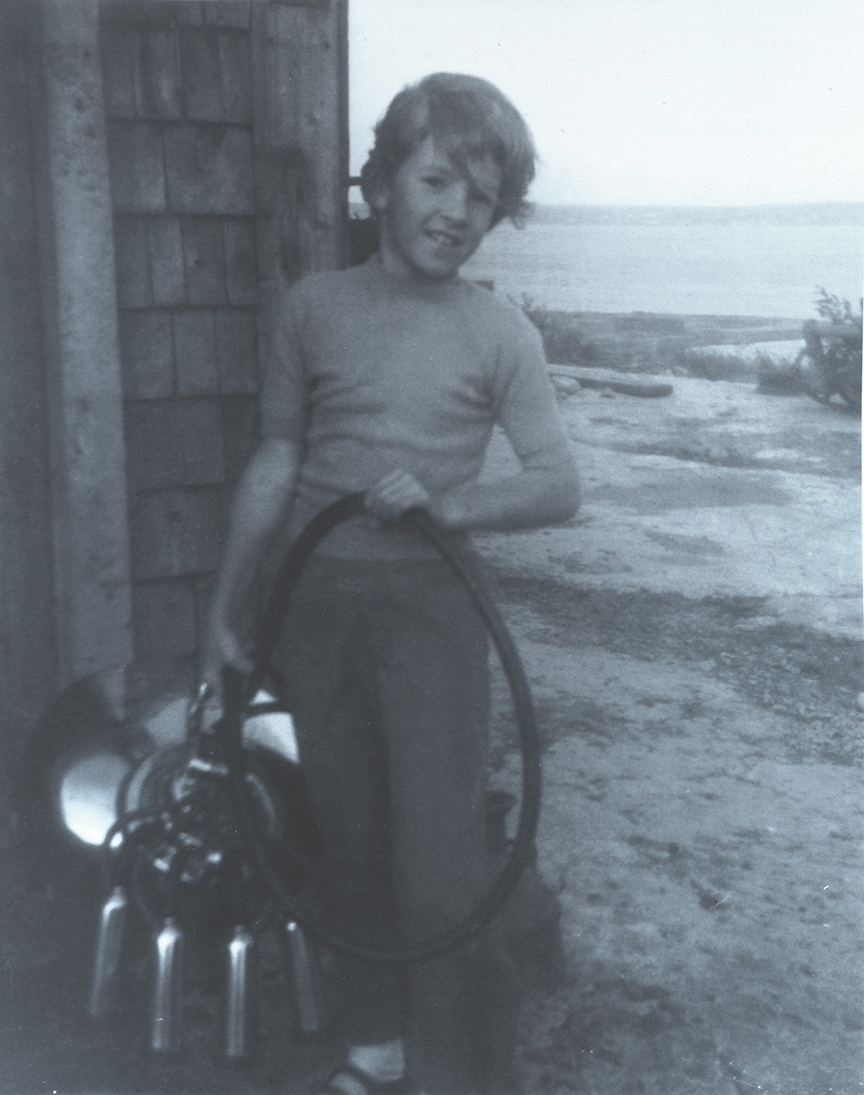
pixel 833 309
pixel 637 342
pixel 563 340
pixel 778 377
pixel 830 364
pixel 705 365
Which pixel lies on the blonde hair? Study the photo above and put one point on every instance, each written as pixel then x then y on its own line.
pixel 468 118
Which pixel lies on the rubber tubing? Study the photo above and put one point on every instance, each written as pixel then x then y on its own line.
pixel 239 690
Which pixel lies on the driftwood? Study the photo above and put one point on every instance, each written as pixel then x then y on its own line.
pixel 647 389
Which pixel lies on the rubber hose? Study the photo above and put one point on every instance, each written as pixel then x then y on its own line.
pixel 238 691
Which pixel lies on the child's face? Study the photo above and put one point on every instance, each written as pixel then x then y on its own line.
pixel 433 216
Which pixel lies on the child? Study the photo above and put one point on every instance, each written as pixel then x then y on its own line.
pixel 388 378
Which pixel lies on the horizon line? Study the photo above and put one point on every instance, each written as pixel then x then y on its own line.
pixel 690 205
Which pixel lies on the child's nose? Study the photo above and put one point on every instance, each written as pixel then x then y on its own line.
pixel 455 201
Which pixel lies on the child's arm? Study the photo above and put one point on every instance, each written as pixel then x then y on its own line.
pixel 546 489
pixel 536 496
pixel 260 505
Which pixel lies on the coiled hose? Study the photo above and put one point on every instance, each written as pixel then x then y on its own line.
pixel 238 691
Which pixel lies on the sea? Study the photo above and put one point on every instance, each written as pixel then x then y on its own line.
pixel 766 261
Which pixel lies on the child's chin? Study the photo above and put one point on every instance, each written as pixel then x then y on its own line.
pixel 437 269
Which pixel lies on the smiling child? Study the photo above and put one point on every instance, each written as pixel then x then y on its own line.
pixel 388 379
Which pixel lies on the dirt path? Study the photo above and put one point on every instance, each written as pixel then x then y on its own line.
pixel 693 643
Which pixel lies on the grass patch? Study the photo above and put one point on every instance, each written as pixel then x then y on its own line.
pixel 647 342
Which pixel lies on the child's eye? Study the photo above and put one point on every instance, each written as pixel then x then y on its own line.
pixel 481 197
pixel 434 182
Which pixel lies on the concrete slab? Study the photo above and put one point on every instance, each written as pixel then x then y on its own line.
pixel 702 818
pixel 716 490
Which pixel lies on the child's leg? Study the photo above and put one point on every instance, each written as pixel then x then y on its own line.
pixel 434 689
pixel 400 648
pixel 343 759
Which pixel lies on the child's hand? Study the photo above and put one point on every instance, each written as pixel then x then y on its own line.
pixel 222 647
pixel 395 494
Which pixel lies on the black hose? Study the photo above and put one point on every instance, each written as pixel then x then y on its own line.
pixel 238 691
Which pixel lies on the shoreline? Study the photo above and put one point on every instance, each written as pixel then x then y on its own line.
pixel 720 319
pixel 666 344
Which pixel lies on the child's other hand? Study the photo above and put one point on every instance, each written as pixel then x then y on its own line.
pixel 395 494
pixel 222 647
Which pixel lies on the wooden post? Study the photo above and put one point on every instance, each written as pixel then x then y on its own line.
pixel 27 660
pixel 91 553
pixel 301 136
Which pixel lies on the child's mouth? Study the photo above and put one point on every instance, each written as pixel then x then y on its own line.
pixel 444 238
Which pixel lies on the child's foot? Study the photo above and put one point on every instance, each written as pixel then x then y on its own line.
pixel 369 1070
pixel 348 1079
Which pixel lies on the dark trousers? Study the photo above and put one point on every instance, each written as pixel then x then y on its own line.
pixel 387 671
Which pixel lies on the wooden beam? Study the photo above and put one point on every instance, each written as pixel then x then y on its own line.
pixel 301 126
pixel 91 550
pixel 27 656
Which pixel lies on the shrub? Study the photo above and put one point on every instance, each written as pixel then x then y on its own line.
pixel 833 309
pixel 830 364
pixel 778 377
pixel 705 365
pixel 563 340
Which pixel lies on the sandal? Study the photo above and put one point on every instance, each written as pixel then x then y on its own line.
pixel 372 1086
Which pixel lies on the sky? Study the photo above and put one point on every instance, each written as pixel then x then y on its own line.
pixel 643 102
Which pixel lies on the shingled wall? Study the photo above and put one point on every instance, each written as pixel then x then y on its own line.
pixel 178 94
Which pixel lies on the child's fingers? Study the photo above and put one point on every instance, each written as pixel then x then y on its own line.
pixel 391 479
pixel 394 494
pixel 396 486
pixel 223 649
